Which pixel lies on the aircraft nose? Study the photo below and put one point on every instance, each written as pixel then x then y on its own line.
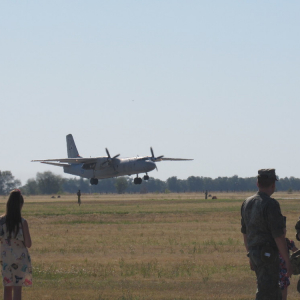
pixel 150 165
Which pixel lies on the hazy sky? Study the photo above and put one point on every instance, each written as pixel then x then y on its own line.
pixel 217 81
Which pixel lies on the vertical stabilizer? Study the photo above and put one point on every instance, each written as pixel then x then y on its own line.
pixel 71 147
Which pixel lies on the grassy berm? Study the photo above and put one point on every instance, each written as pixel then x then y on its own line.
pixel 138 247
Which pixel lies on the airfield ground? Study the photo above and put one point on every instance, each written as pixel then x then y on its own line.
pixel 134 247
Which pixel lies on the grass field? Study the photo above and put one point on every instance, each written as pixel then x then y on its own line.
pixel 134 247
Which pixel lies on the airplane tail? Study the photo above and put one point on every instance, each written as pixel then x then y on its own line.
pixel 71 147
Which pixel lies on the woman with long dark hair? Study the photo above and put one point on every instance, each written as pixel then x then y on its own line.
pixel 15 239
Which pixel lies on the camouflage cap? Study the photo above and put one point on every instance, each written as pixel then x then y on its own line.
pixel 267 173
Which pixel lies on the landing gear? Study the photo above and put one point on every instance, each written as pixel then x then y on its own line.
pixel 137 180
pixel 94 181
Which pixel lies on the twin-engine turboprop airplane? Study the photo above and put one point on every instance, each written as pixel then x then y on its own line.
pixel 105 167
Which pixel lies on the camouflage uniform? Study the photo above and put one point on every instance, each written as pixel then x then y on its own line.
pixel 262 221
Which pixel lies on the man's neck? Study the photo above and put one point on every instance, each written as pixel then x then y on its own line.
pixel 269 190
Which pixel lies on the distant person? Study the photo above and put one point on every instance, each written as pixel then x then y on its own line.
pixel 15 239
pixel 79 195
pixel 206 194
pixel 264 236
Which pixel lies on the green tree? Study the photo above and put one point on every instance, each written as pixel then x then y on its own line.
pixel 8 182
pixel 49 183
pixel 31 187
pixel 172 184
pixel 195 184
pixel 121 185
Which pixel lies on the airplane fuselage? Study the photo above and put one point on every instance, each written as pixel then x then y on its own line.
pixel 120 167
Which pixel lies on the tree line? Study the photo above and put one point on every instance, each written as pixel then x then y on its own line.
pixel 50 183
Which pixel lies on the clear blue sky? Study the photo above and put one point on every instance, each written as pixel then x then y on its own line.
pixel 217 81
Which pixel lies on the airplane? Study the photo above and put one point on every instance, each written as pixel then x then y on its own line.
pixel 102 167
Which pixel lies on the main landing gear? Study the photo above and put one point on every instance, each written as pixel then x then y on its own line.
pixel 138 180
pixel 94 181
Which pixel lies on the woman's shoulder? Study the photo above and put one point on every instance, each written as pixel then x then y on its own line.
pixel 24 222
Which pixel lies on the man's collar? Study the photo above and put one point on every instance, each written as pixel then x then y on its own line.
pixel 263 194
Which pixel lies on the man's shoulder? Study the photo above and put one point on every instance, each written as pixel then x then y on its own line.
pixel 273 203
pixel 247 202
pixel 266 198
pixel 269 203
pixel 263 198
pixel 253 197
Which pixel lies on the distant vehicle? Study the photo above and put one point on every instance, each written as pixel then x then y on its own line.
pixel 105 166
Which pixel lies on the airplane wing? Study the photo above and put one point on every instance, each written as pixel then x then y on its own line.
pixel 77 160
pixel 173 159
pixel 160 158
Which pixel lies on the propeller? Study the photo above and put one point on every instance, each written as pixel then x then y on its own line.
pixel 109 158
pixel 153 158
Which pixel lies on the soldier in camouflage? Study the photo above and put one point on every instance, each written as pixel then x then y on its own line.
pixel 296 261
pixel 79 195
pixel 263 232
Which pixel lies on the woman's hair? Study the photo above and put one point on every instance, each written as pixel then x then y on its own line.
pixel 13 212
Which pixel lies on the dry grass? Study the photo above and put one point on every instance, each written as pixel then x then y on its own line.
pixel 153 246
